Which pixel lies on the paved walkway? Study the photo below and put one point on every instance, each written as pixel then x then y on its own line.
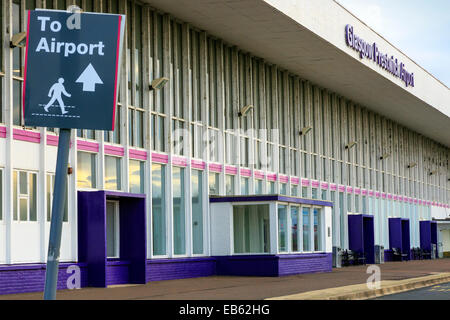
pixel 252 288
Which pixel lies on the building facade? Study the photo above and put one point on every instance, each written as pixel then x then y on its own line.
pixel 303 135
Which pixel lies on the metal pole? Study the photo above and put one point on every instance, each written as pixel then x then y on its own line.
pixel 59 198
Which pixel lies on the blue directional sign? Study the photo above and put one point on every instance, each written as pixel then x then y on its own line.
pixel 71 69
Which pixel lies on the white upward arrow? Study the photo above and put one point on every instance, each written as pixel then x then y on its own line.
pixel 89 78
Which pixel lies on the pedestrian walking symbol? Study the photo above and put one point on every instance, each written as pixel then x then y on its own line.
pixel 71 74
pixel 55 94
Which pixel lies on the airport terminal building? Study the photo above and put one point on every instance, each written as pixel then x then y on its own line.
pixel 288 131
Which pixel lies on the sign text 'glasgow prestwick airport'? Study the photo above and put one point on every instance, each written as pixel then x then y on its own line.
pixel 371 52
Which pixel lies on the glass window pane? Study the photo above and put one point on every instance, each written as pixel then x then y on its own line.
pixel 282 228
pixel 317 230
pixel 158 209
pixel 136 176
pixel 179 214
pixel 258 186
pixel 229 180
pixel 33 197
pixel 251 229
pixel 294 229
pixel 244 186
pixel 23 183
pixel 283 188
pixel 15 196
pixel 112 173
pixel 111 230
pixel 86 170
pixel 197 212
pixel 213 183
pixel 294 190
pixel 306 230
pixel 23 209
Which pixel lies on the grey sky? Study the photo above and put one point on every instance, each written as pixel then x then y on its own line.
pixel 419 28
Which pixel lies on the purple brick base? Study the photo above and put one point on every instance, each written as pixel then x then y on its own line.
pixel 274 265
pixel 117 272
pixel 168 269
pixel 21 278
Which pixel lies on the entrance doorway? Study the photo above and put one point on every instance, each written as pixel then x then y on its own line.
pixel 112 229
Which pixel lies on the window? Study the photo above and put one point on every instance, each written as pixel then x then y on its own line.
pixel 283 188
pixel 317 229
pixel 229 184
pixel 282 228
pixel 158 209
pixel 197 212
pixel 25 196
pixel 112 229
pixel 314 194
pixel 251 229
pixel 213 183
pixel 86 170
pixel 294 190
pixel 306 230
pixel 295 226
pixel 324 194
pixel 136 176
pixel 50 189
pixel 179 214
pixel 258 186
pixel 244 186
pixel 304 192
pixel 1 191
pixel 112 173
pixel 270 187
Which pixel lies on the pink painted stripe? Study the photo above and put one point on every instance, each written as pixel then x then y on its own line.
pixel 389 196
pixel 377 194
pixel 305 183
pixel 333 186
pixel 25 135
pixel 371 193
pixel 2 132
pixel 295 180
pixel 357 191
pixel 400 198
pixel 114 150
pixel 420 202
pixel 415 201
pixel 283 179
pixel 314 183
pixel 341 188
pixel 215 167
pixel 198 164
pixel 364 192
pixel 349 189
pixel 324 185
pixel 52 140
pixel 179 161
pixel 259 174
pixel 160 158
pixel 272 177
pixel 230 170
pixel 395 197
pixel 137 154
pixel 246 172
pixel 87 146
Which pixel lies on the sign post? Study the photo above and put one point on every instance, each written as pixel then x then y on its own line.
pixel 72 63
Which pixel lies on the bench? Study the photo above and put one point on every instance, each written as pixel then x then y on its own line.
pixel 425 254
pixel 416 254
pixel 350 257
pixel 398 255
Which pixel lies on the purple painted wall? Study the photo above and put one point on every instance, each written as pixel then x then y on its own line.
pixel 117 272
pixel 21 278
pixel 168 269
pixel 274 265
pixel 406 238
pixel 425 235
pixel 395 233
